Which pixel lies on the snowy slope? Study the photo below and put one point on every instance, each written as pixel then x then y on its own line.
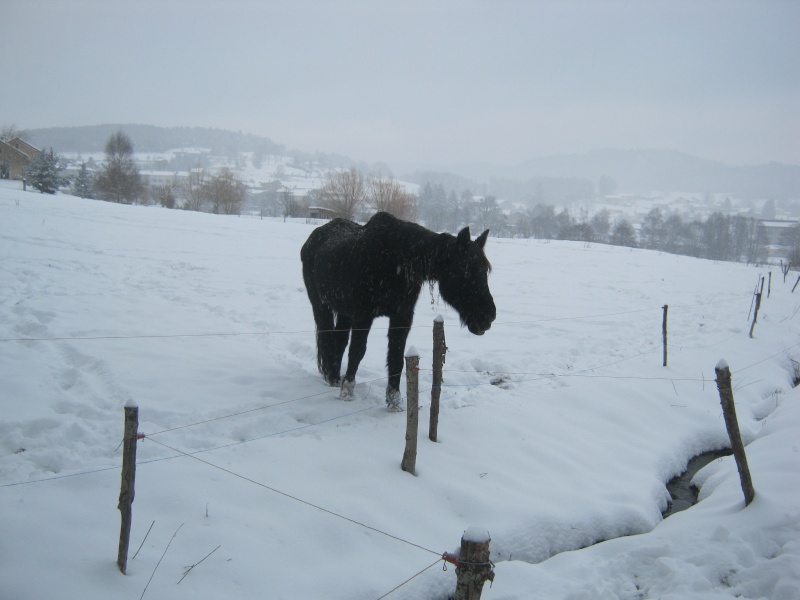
pixel 559 427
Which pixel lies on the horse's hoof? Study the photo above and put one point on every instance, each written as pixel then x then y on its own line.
pixel 394 401
pixel 348 390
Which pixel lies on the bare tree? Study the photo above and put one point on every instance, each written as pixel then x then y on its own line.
pixel 489 214
pixel 166 195
pixel 289 204
pixel 344 193
pixel 226 193
pixel 9 132
pixel 193 190
pixel 389 196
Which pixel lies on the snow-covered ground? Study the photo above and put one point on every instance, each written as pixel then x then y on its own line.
pixel 558 429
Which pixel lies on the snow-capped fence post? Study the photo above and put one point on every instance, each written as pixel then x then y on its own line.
pixel 126 492
pixel 664 332
pixel 732 425
pixel 755 313
pixel 473 566
pixel 439 350
pixel 409 463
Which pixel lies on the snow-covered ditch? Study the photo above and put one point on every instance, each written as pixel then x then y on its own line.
pixel 558 428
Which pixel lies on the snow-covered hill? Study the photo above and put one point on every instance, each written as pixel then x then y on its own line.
pixel 559 427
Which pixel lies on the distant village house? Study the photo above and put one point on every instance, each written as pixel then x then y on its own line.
pixel 15 156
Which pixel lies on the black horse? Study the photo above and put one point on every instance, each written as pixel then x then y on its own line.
pixel 354 273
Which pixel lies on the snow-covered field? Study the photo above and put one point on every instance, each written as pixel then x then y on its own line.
pixel 558 429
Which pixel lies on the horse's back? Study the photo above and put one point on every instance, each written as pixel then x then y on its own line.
pixel 334 231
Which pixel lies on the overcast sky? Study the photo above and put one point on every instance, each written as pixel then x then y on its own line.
pixel 419 81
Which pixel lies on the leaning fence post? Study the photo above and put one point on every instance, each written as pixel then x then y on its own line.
pixel 473 566
pixel 664 332
pixel 409 463
pixel 732 425
pixel 755 313
pixel 126 492
pixel 439 351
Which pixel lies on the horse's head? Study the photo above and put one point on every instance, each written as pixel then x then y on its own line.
pixel 464 281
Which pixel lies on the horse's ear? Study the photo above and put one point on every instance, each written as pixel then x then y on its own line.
pixel 481 239
pixel 463 237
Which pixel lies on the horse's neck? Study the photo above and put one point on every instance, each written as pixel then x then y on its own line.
pixel 427 257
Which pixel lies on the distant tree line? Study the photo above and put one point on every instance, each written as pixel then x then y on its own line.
pixel 719 237
pixel 157 139
pixel 350 194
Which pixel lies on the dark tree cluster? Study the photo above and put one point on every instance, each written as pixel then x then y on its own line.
pixel 719 237
pixel 443 210
pixel 119 180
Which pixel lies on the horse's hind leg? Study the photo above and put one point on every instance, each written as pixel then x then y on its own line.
pixel 340 336
pixel 358 347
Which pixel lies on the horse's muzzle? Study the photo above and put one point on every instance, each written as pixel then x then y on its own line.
pixel 475 330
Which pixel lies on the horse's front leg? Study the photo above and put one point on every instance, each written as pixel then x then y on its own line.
pixel 399 326
pixel 358 347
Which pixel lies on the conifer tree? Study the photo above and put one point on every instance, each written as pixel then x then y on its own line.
pixel 82 186
pixel 44 173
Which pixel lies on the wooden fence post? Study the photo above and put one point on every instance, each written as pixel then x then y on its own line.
pixel 664 332
pixel 732 425
pixel 795 283
pixel 409 463
pixel 755 313
pixel 473 566
pixel 439 351
pixel 769 285
pixel 126 492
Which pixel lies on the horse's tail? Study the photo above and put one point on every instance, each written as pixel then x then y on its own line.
pixel 329 340
pixel 324 321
